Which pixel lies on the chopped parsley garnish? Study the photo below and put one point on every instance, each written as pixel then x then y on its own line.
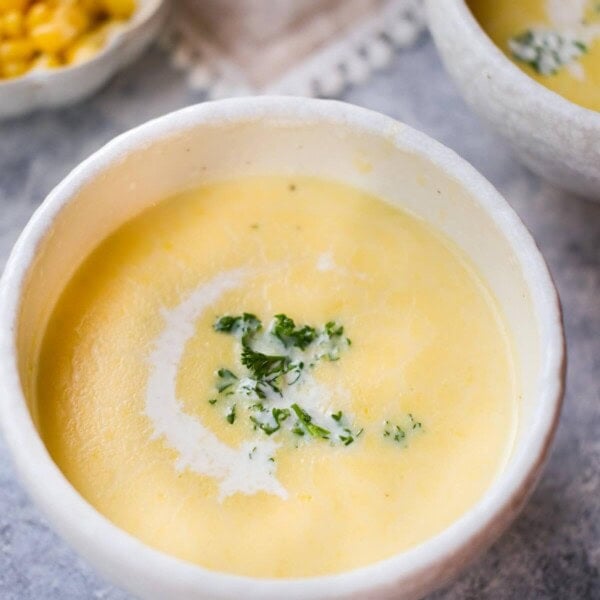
pixel 279 415
pixel 246 323
pixel 263 366
pixel 415 424
pixel 402 433
pixel 546 51
pixel 272 360
pixel 225 379
pixel 286 331
pixel 332 329
pixel 231 415
pixel 347 437
pixel 333 341
pixel 311 428
pixel 399 434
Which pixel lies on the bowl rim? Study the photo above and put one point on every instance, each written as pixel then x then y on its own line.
pixel 124 557
pixel 534 93
pixel 140 17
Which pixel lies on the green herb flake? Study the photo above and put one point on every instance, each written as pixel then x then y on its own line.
pixel 297 429
pixel 266 427
pixel 288 334
pixel 312 428
pixel 263 365
pixel 546 51
pixel 243 324
pixel 279 415
pixel 346 439
pixel 225 379
pixel 402 434
pixel 226 323
pixel 231 415
pixel 226 374
pixel 332 329
pixel 415 424
pixel 399 434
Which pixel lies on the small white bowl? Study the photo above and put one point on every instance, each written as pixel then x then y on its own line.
pixel 556 138
pixel 52 88
pixel 273 135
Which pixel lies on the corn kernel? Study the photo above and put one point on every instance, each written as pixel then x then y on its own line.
pixel 88 45
pixel 13 24
pixel 52 37
pixel 81 51
pixel 119 8
pixel 75 17
pixel 14 68
pixel 6 5
pixel 92 7
pixel 46 61
pixel 16 50
pixel 40 12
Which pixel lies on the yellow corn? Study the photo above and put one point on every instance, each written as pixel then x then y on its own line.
pixel 46 61
pixel 122 9
pixel 16 50
pixel 52 37
pixel 39 13
pixel 13 24
pixel 14 68
pixel 88 45
pixel 81 51
pixel 75 17
pixel 6 5
pixel 92 7
pixel 50 33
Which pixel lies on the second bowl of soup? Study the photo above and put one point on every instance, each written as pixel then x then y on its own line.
pixel 532 70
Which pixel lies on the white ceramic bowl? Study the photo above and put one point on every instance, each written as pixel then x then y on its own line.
pixel 59 87
pixel 556 138
pixel 273 135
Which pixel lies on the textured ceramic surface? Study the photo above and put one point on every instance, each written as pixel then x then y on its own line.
pixel 317 138
pixel 60 87
pixel 557 139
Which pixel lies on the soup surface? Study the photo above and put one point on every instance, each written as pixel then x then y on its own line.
pixel 557 42
pixel 278 378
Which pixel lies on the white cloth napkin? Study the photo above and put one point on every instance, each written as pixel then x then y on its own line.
pixel 306 47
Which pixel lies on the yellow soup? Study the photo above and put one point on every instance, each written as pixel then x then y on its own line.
pixel 557 42
pixel 278 378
